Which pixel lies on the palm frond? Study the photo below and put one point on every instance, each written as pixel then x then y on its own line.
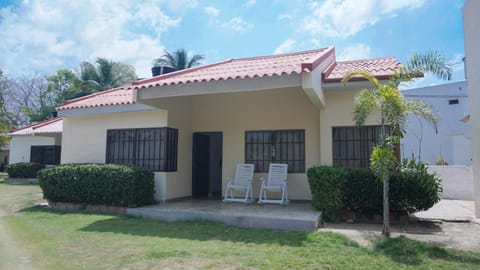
pixel 362 73
pixel 363 105
pixel 429 62
pixel 195 60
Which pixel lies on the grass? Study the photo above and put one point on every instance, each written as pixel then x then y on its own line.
pixel 81 240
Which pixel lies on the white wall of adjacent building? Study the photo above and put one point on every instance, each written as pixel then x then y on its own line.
pixel 471 22
pixel 20 146
pixel 450 139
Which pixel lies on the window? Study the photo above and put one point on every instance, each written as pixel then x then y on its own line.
pixel 150 148
pixel 452 101
pixel 276 146
pixel 352 146
pixel 45 154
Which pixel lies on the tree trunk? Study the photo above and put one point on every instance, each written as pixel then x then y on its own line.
pixel 386 205
pixel 386 208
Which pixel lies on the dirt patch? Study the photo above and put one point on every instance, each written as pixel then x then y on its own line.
pixel 464 236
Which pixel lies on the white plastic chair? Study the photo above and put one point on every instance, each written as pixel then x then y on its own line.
pixel 276 182
pixel 242 182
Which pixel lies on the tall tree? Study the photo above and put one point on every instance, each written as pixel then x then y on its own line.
pixel 394 109
pixel 178 59
pixel 105 75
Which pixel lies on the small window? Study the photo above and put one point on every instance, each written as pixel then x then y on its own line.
pixel 452 101
pixel 276 146
pixel 45 154
pixel 150 148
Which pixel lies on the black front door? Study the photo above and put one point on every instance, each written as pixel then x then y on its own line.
pixel 207 165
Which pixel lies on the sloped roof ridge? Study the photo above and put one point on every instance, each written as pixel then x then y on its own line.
pixel 179 72
pixel 367 59
pixel 280 55
pixel 38 124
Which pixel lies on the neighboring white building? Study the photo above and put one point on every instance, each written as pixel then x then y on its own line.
pixel 450 140
pixel 471 29
pixel 40 143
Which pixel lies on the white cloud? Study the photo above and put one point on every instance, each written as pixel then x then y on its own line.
pixel 355 51
pixel 237 24
pixel 211 11
pixel 46 36
pixel 250 3
pixel 344 18
pixel 285 16
pixel 286 46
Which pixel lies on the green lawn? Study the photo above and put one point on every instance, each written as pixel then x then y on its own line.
pixel 60 240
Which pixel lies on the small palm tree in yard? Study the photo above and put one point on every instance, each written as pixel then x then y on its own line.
pixel 387 100
pixel 178 59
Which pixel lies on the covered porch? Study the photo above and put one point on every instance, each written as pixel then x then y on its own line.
pixel 296 216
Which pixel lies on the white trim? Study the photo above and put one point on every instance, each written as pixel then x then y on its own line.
pixel 312 82
pixel 221 86
pixel 106 109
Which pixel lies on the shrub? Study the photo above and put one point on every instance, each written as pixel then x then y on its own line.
pixel 327 186
pixel 98 184
pixel 24 170
pixel 412 189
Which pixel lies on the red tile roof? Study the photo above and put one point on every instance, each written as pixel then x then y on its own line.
pixel 262 66
pixel 54 125
pixel 254 67
pixel 116 96
pixel 381 68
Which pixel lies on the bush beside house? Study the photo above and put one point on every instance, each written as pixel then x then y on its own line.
pixel 24 170
pixel 336 189
pixel 97 184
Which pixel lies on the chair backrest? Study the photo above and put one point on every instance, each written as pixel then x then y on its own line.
pixel 277 173
pixel 244 173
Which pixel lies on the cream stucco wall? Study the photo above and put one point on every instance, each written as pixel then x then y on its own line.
pixel 232 114
pixel 471 22
pixel 235 113
pixel 20 147
pixel 337 112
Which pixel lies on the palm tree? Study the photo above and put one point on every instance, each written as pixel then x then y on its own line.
pixel 105 75
pixel 394 109
pixel 178 59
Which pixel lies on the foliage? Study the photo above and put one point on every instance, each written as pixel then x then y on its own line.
pixel 394 109
pixel 326 185
pixel 412 189
pixel 24 170
pixel 105 75
pixel 98 184
pixel 178 59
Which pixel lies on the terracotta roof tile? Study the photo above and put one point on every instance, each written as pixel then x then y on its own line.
pixel 382 68
pixel 116 96
pixel 262 66
pixel 54 125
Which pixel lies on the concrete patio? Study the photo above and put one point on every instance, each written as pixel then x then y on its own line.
pixel 449 210
pixel 296 216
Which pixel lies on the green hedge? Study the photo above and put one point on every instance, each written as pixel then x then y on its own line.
pixel 97 184
pixel 412 189
pixel 24 170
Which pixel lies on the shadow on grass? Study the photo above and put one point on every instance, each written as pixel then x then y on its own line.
pixel 201 230
pixel 411 252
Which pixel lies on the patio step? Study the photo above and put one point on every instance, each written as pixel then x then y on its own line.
pixel 252 216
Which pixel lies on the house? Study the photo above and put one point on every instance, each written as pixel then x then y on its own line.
pixel 471 20
pixel 193 126
pixel 449 141
pixel 40 143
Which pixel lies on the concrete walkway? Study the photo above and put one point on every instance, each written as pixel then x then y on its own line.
pixel 295 216
pixel 449 210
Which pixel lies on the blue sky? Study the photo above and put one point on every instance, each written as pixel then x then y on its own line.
pixel 43 36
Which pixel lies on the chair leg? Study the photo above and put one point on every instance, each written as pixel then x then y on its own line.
pixel 226 193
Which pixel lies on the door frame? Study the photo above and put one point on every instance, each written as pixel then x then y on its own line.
pixel 193 181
